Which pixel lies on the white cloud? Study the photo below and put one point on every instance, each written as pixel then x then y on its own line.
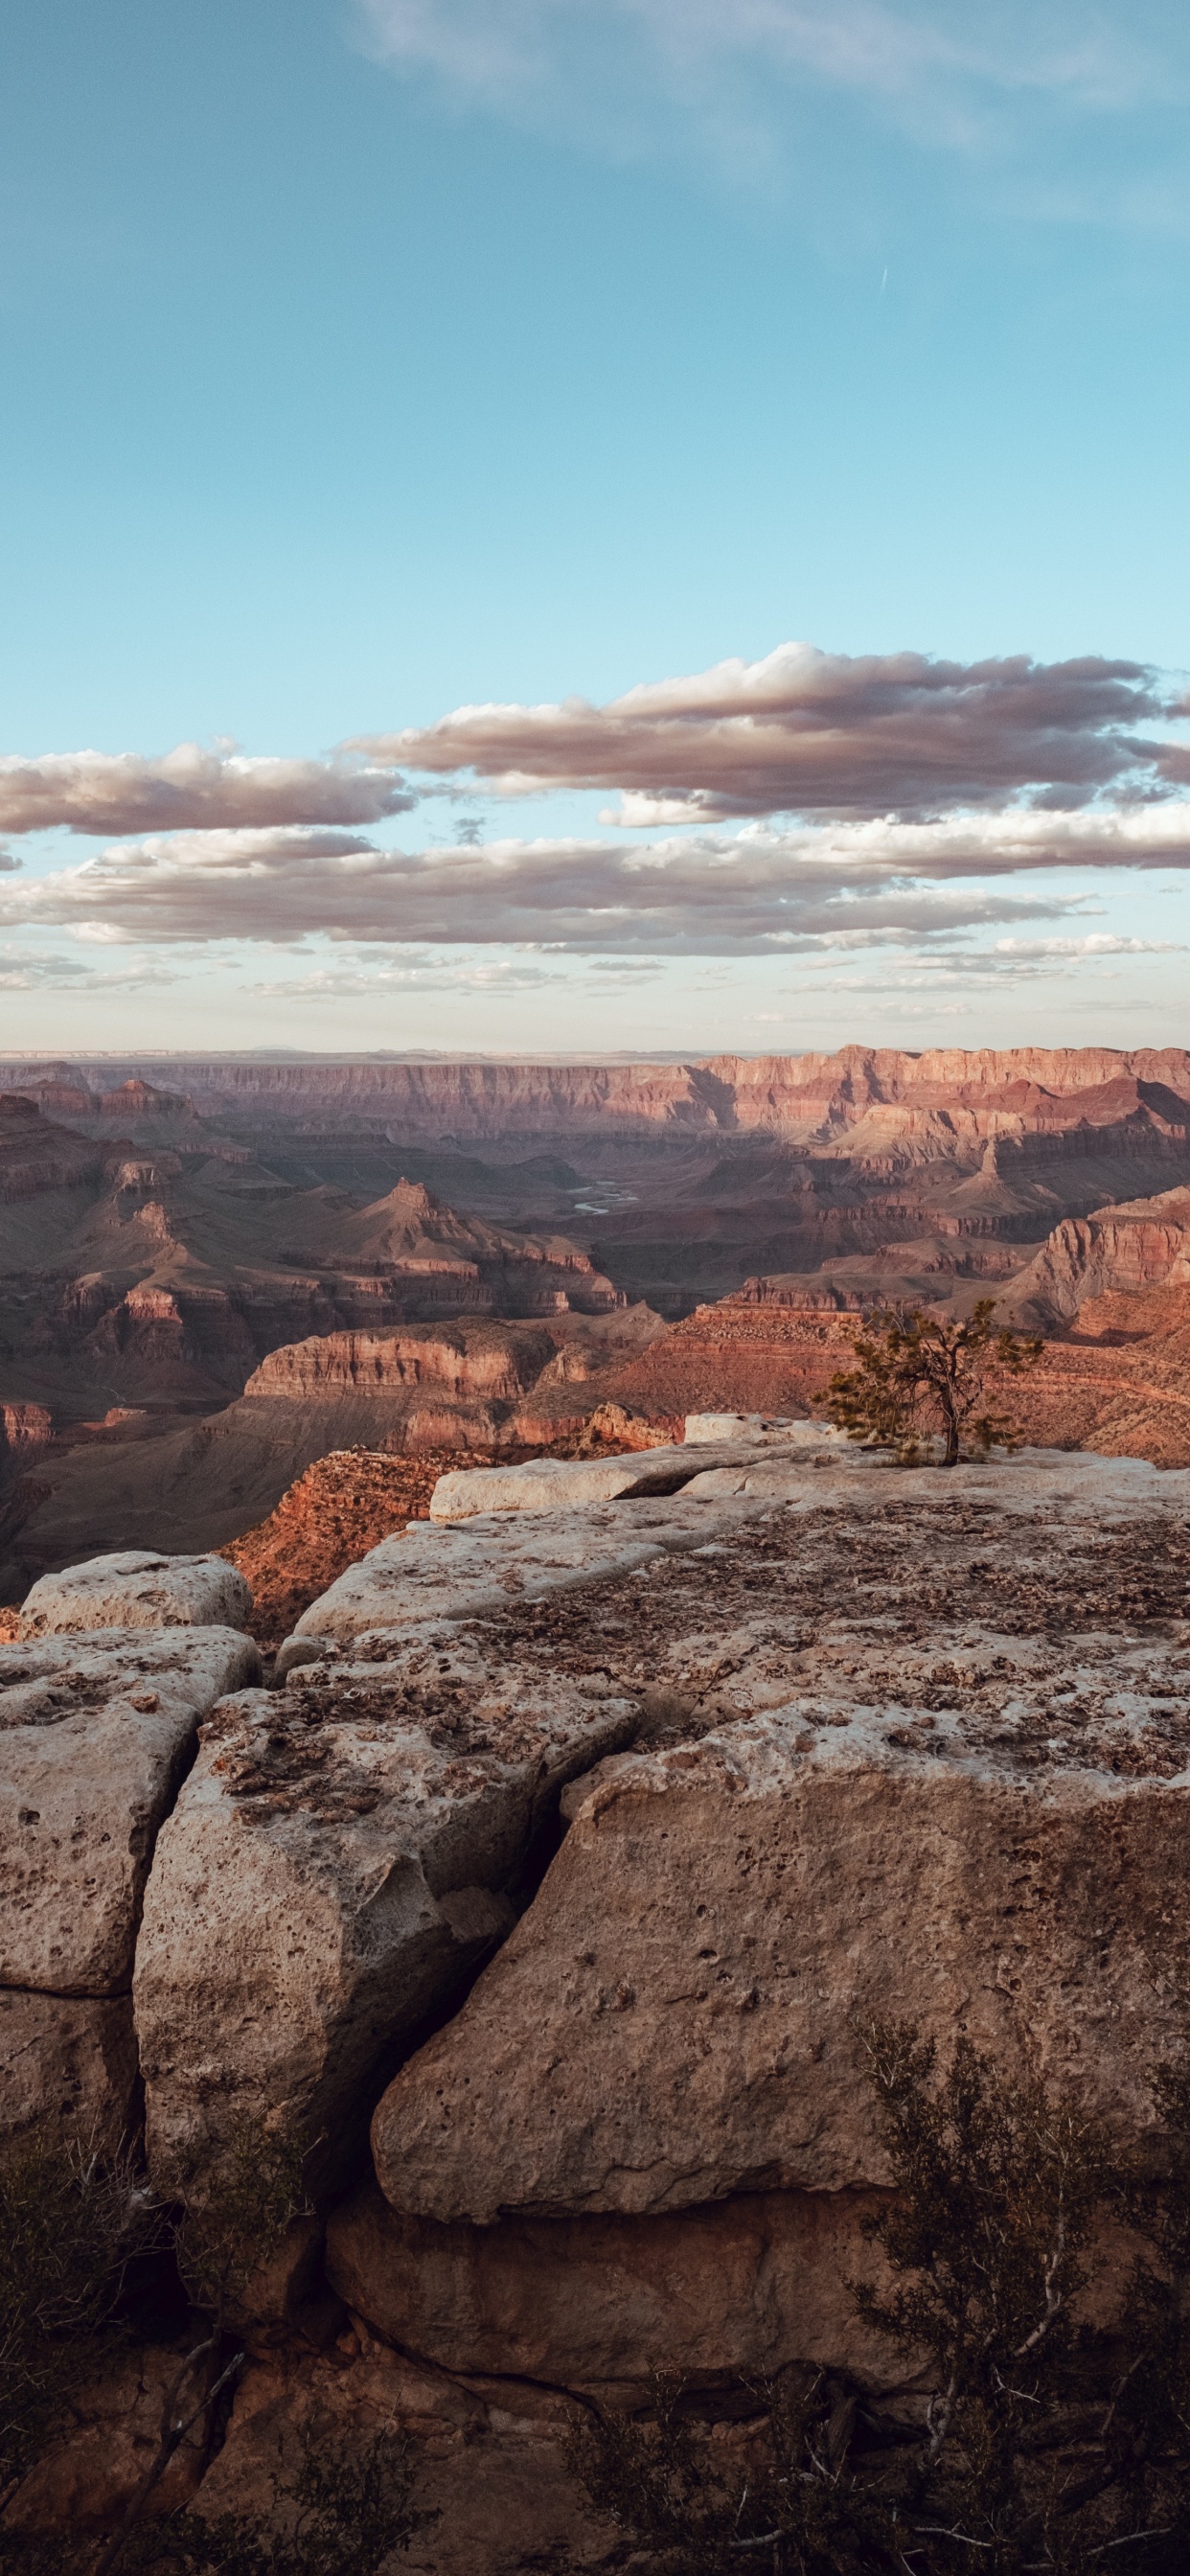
pixel 816 734
pixel 98 792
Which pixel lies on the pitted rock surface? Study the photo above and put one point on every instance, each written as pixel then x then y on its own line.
pixel 937 1768
pixel 96 1732
pixel 336 1863
pixel 474 1569
pixel 137 1589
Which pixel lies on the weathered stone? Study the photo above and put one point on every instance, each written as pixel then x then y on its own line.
pixel 96 1733
pixel 442 1570
pixel 602 2303
pixel 948 1781
pixel 570 1484
pixel 67 2067
pixel 95 2462
pixel 492 2479
pixel 334 1866
pixel 137 1589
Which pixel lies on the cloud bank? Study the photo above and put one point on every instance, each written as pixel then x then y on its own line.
pixel 761 891
pixel 817 734
pixel 100 792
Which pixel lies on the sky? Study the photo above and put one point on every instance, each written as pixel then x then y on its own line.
pixel 567 527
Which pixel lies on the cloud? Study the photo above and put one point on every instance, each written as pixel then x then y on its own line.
pixel 23 972
pixel 100 792
pixel 507 51
pixel 963 81
pixel 709 894
pixel 817 734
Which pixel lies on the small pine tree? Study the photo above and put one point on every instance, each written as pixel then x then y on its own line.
pixel 920 1377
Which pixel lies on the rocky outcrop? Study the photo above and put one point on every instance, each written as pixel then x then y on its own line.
pixel 442 1570
pixel 711 1780
pixel 138 1590
pixel 97 1732
pixel 338 1860
pixel 1142 1243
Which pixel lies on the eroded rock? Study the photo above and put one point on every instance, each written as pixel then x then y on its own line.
pixel 601 2304
pixel 68 2067
pixel 337 1862
pixel 946 1780
pixel 473 1570
pixel 96 1732
pixel 137 1589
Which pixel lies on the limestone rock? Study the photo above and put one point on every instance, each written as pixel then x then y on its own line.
pixel 138 1589
pixel 96 1733
pixel 473 1570
pixel 739 2288
pixel 949 1781
pixel 568 1484
pixel 68 2067
pixel 94 2465
pixel 334 1866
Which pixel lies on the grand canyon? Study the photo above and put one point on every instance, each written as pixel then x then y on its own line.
pixel 469 1716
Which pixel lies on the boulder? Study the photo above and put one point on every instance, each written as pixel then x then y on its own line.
pixel 97 1732
pixel 68 2067
pixel 947 1782
pixel 137 1589
pixel 334 1868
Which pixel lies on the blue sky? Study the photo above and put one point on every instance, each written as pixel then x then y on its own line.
pixel 368 359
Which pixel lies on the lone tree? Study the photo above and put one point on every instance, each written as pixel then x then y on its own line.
pixel 919 1378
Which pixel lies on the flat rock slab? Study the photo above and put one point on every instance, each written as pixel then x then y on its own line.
pixel 95 1734
pixel 137 1589
pixel 67 2067
pixel 741 2288
pixel 937 1769
pixel 335 1865
pixel 442 1570
pixel 567 1484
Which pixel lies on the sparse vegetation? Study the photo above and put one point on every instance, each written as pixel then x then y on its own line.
pixel 921 1380
pixel 1040 2445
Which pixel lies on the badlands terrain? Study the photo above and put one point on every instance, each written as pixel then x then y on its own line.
pixel 542 1899
pixel 214 1274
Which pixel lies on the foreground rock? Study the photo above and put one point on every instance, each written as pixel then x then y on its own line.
pixel 339 1859
pixel 96 1733
pixel 138 1589
pixel 474 1569
pixel 947 1780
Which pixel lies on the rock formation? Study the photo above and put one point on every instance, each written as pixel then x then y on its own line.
pixel 709 1777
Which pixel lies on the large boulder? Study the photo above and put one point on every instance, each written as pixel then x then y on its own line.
pixel 137 1589
pixel 948 1782
pixel 337 1863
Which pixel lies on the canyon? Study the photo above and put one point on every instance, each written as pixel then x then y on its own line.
pixel 212 1274
pixel 465 1712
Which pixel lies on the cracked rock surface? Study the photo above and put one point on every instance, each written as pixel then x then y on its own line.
pixel 137 1589
pixel 338 1860
pixel 928 1759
